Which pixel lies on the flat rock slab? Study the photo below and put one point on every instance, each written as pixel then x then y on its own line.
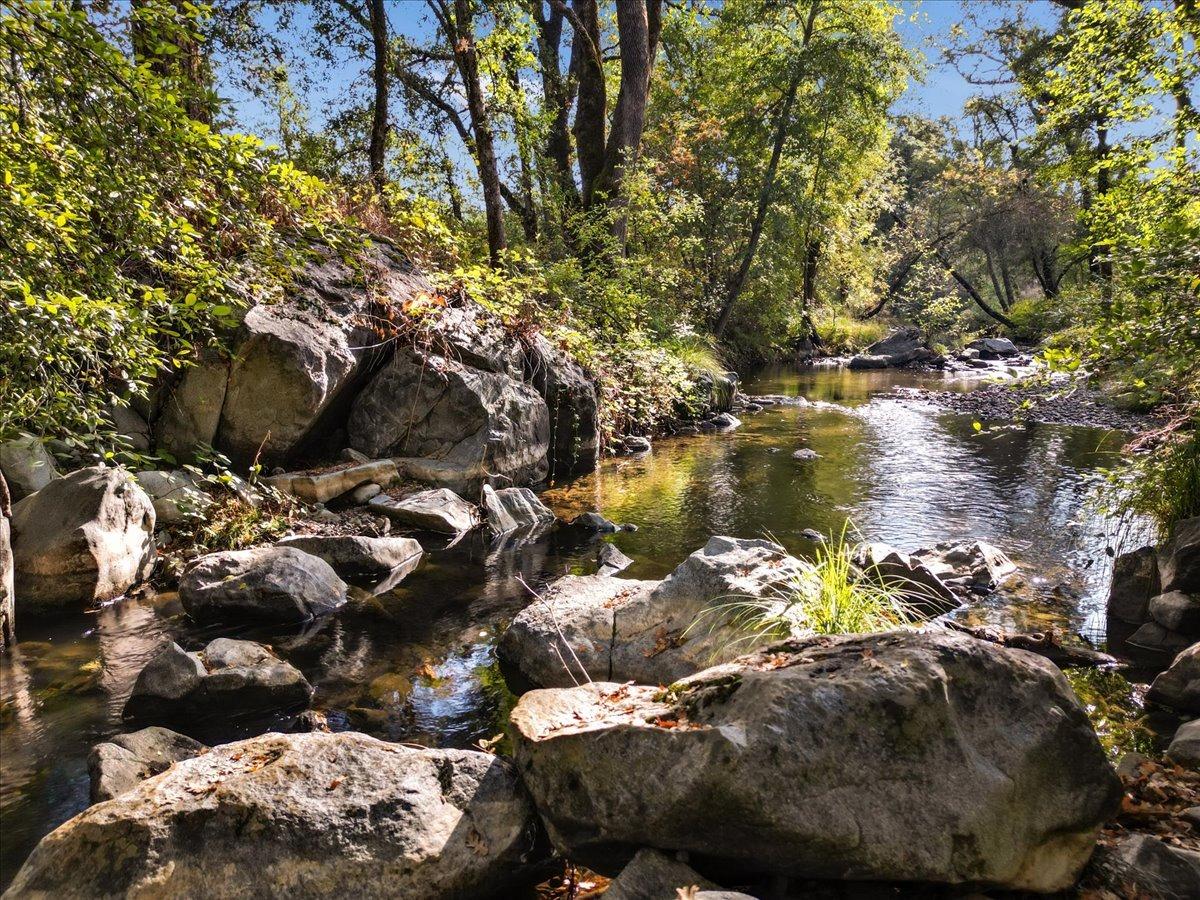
pixel 353 555
pixel 319 487
pixel 440 510
pixel 928 757
pixel 122 763
pixel 301 815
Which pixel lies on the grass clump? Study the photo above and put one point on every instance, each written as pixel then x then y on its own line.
pixel 846 334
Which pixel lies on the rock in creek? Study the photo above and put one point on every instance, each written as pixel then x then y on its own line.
pixel 899 348
pixel 910 757
pixel 275 584
pixel 319 487
pixel 26 465
pixel 125 761
pixel 177 496
pixel 976 565
pixel 1179 685
pixel 909 576
pixel 354 556
pixel 82 539
pixel 1184 749
pixel 1179 558
pixel 570 396
pixel 1134 581
pixel 226 678
pixel 1178 612
pixel 314 815
pixel 611 560
pixel 594 523
pixel 993 348
pixel 512 508
pixel 474 424
pixel 1155 638
pixel 440 510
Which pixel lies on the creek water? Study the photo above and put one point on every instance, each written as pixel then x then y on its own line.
pixel 416 664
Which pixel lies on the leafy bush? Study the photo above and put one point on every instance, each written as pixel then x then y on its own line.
pixel 1036 317
pixel 846 334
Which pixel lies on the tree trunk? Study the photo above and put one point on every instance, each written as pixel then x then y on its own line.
pixel 591 109
pixel 972 292
pixel 1098 263
pixel 556 97
pixel 379 110
pixel 463 41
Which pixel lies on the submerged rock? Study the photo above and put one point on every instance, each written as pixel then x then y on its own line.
pixel 226 678
pixel 82 539
pixel 439 510
pixel 512 508
pixel 277 584
pixel 297 815
pixel 805 454
pixel 1179 685
pixel 912 757
pixel 126 760
pixel 353 556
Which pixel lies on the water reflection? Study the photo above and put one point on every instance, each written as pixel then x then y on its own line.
pixel 416 663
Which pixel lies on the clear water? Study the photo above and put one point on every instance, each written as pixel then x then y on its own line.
pixel 417 664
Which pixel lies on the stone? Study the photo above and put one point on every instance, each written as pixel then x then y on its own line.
pixel 611 560
pixel 8 606
pixel 26 465
pixel 191 410
pixel 176 495
pixel 899 348
pixel 977 564
pixel 226 678
pixel 1141 865
pixel 1177 611
pixel 275 584
pixel 993 348
pixel 477 425
pixel 355 556
pixel 131 426
pixel 633 443
pixel 315 815
pixel 889 757
pixel 593 523
pixel 1179 558
pixel 804 454
pixel 1134 581
pixel 439 510
pixel 572 404
pixel 724 422
pixel 122 763
pixel 1154 638
pixel 1184 749
pixel 365 492
pixel 922 590
pixel 652 875
pixel 1179 685
pixel 83 539
pixel 320 487
pixel 511 508
pixel 650 632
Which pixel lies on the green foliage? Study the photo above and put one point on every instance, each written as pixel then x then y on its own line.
pixel 843 334
pixel 1116 714
pixel 1035 318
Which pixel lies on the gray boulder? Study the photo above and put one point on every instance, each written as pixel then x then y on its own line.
pixel 130 426
pixel 571 402
pixel 191 408
pixel 82 539
pixel 611 560
pixel 475 424
pixel 920 587
pixel 176 495
pixel 1184 749
pixel 1141 865
pixel 299 815
pixel 976 565
pixel 512 508
pixel 1154 638
pixel 125 761
pixel 226 678
pixel 354 556
pixel 1134 581
pixel 276 584
pixel 634 443
pixel 26 465
pixel 805 454
pixel 1179 558
pixel 897 757
pixel 993 348
pixel 1179 685
pixel 652 875
pixel 439 510
pixel 899 348
pixel 320 487
pixel 1177 611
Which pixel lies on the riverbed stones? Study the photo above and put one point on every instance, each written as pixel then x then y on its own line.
pixel 1134 581
pixel 274 584
pixel 1179 558
pixel 651 632
pixel 1179 685
pixel 439 510
pixel 320 487
pixel 905 756
pixel 26 465
pixel 511 508
pixel 976 565
pixel 124 761
pixel 317 815
pixel 353 555
pixel 177 496
pixel 82 539
pixel 476 424
pixel 1184 749
pixel 228 677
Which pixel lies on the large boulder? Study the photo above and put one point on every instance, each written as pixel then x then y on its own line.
pixel 1142 865
pixel 650 632
pixel 993 348
pixel 226 678
pixel 8 611
pixel 511 508
pixel 276 584
pixel 1134 581
pixel 82 539
pixel 571 401
pixel 1178 612
pixel 927 757
pixel 301 815
pixel 1179 558
pixel 26 465
pixel 1184 749
pixel 902 346
pixel 355 556
pixel 1179 685
pixel 440 510
pixel 475 424
pixel 126 760
pixel 190 412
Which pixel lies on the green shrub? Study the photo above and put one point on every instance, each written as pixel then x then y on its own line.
pixel 846 334
pixel 1036 317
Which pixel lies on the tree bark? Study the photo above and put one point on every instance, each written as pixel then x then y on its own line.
pixel 556 97
pixel 591 107
pixel 379 112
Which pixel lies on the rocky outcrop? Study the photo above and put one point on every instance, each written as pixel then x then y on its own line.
pixel 275 584
pixel 439 510
pixel 297 815
pixel 125 761
pixel 8 610
pixel 176 495
pixel 512 508
pixel 475 424
pixel 82 539
pixel 226 678
pixel 26 465
pixel 913 757
pixel 572 404
pixel 903 346
pixel 320 487
pixel 353 556
pixel 1179 685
